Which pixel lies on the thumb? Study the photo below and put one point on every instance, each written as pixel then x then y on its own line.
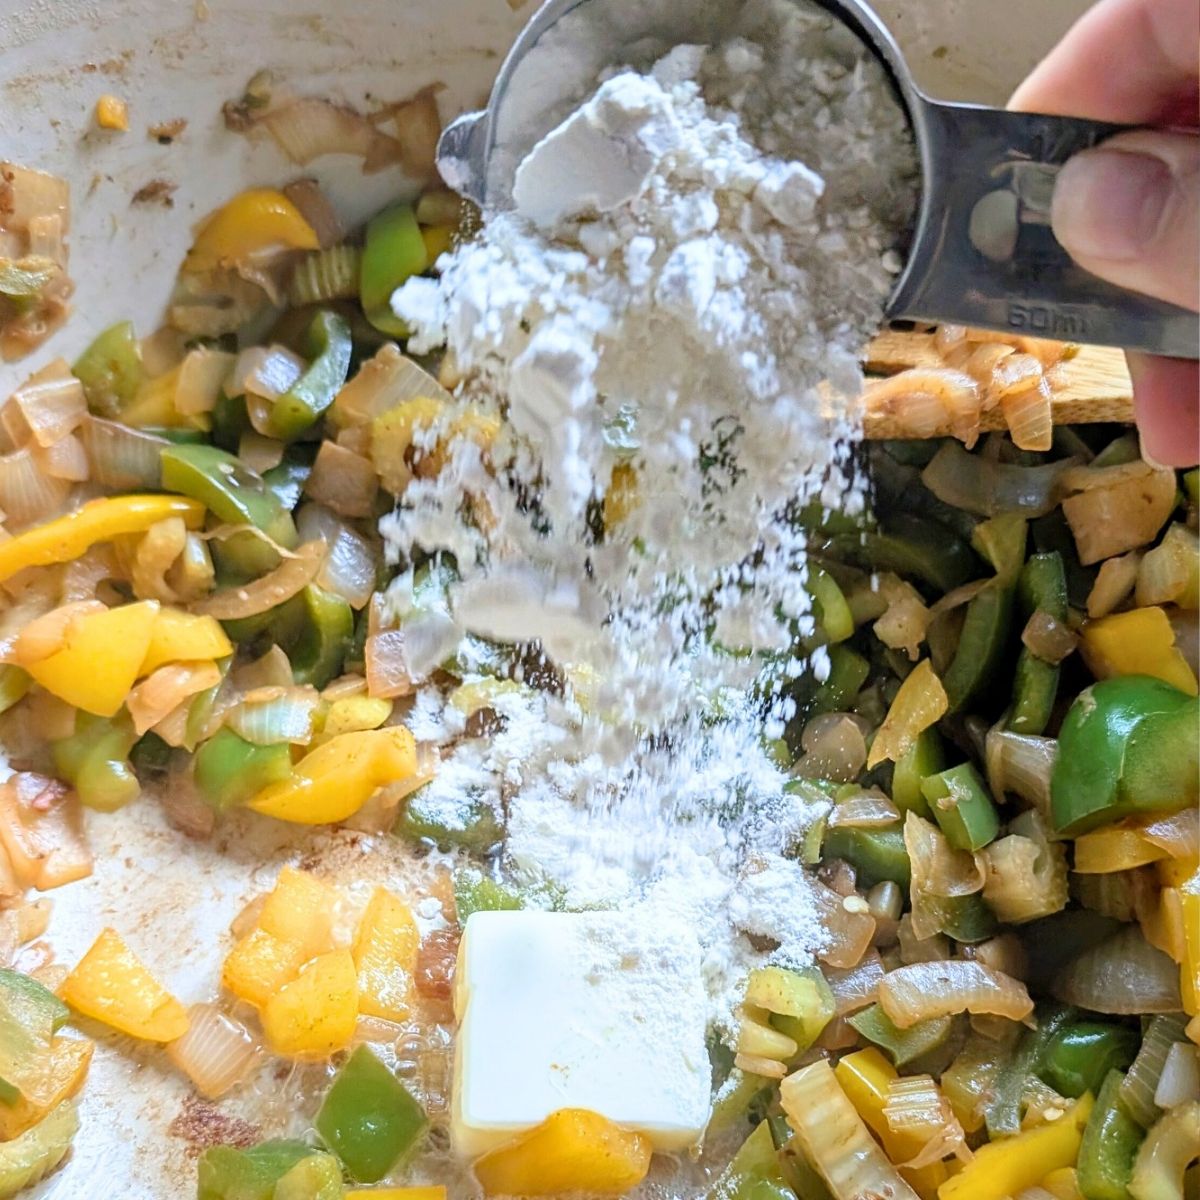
pixel 1129 211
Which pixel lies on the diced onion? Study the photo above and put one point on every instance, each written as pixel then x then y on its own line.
pixel 217 1052
pixel 920 703
pixel 26 194
pixel 66 459
pixel 1026 874
pixel 418 127
pixel 988 488
pixel 259 453
pixel 202 376
pixel 870 810
pixel 290 717
pixel 1167 1152
pixel 162 691
pixel 350 568
pixel 121 457
pixel 1021 764
pixel 904 623
pixel 157 552
pixel 309 128
pixel 1178 834
pixel 46 407
pixel 47 634
pixel 1029 415
pixel 266 371
pixel 344 481
pixel 1179 1082
pixel 1123 975
pixel 834 1138
pixel 41 829
pixel 938 873
pixel 1168 574
pixel 1047 638
pixel 295 573
pixel 834 748
pixel 849 932
pixel 271 670
pixel 1117 509
pixel 928 401
pixel 923 990
pixel 316 209
pixel 382 383
pixel 857 986
pixel 27 493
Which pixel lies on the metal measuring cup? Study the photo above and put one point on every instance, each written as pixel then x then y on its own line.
pixel 982 252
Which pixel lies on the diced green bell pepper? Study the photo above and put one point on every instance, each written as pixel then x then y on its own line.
pixel 875 854
pixel 111 370
pixel 320 649
pixel 1191 485
pixel 228 488
pixel 30 1015
pixel 475 892
pixel 911 546
pixel 394 251
pixel 755 1172
pixel 14 683
pixel 317 1177
pixel 830 610
pixel 1080 1055
pixel 229 770
pixel 225 1173
pixel 286 481
pixel 1127 745
pixel 327 345
pixel 469 823
pixel 150 755
pixel 1042 587
pixel 230 419
pixel 926 757
pixel 902 1046
pixel 959 801
pixel 1110 1143
pixel 981 645
pixel 1002 1112
pixel 94 760
pixel 369 1119
pixel 966 919
pixel 1001 540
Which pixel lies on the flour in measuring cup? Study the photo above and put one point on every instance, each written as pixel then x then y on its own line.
pixel 670 317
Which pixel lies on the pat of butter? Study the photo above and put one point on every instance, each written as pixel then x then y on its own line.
pixel 596 1010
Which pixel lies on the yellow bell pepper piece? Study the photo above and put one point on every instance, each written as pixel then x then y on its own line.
pixel 1004 1168
pixel 572 1150
pixel 112 113
pixel 299 910
pixel 314 1015
pixel 101 658
pixel 622 496
pixel 66 538
pixel 392 436
pixel 59 1075
pixel 251 225
pixel 438 240
pixel 864 1076
pixel 1138 642
pixel 178 636
pixel 416 1193
pixel 112 985
pixel 1175 872
pixel 385 956
pixel 336 779
pixel 1162 923
pixel 1062 1184
pixel 1116 848
pixel 260 965
pixel 1189 969
pixel 354 714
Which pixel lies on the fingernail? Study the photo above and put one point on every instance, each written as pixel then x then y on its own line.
pixel 1108 204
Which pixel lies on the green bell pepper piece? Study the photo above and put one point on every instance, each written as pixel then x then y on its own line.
pixel 967 918
pixel 1002 1112
pixel 926 757
pixel 830 610
pixel 368 1118
pixel 469 824
pixel 230 419
pixel 286 481
pixel 228 488
pixel 94 760
pixel 327 628
pixel 475 892
pixel 327 345
pixel 111 370
pixel 29 1158
pixel 848 671
pixel 981 645
pixel 229 770
pixel 1080 1055
pixel 225 1173
pixel 902 1046
pixel 961 805
pixel 1042 586
pixel 317 1177
pixel 1001 540
pixel 30 1015
pixel 1110 1143
pixel 394 250
pixel 755 1172
pixel 923 550
pixel 875 854
pixel 150 755
pixel 1128 745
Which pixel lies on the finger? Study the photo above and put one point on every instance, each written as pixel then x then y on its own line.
pixel 1129 211
pixel 1124 60
pixel 1167 408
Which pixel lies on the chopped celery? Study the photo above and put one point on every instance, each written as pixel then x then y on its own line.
pixel 755 1172
pixel 962 807
pixel 369 1119
pixel 901 1045
pixel 875 854
pixel 799 1002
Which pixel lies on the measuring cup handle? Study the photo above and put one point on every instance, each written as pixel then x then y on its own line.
pixel 983 252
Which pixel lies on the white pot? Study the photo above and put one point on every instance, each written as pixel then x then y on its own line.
pixel 185 58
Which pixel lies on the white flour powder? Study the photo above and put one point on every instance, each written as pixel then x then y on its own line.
pixel 695 257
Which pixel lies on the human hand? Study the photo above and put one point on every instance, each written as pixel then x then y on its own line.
pixel 1129 211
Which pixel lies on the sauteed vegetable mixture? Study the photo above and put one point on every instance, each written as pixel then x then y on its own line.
pixel 193 605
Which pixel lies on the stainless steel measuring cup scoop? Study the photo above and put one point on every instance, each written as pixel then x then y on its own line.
pixel 982 251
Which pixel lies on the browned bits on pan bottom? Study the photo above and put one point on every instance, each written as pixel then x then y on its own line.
pixel 434 976
pixel 202 1125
